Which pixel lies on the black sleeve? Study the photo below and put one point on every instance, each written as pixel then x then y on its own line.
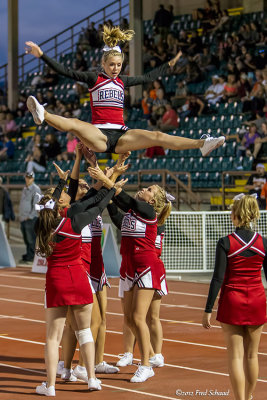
pixel 58 189
pixel 160 229
pixel 81 206
pixel 222 249
pixel 151 76
pixel 72 190
pixel 115 215
pixel 126 202
pixel 88 77
pixel 265 258
pixel 79 221
pixel 91 192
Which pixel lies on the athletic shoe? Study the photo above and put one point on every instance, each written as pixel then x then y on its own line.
pixel 125 359
pixel 210 144
pixel 93 384
pixel 67 375
pixel 142 374
pixel 60 367
pixel 104 368
pixel 36 109
pixel 80 373
pixel 157 361
pixel 45 391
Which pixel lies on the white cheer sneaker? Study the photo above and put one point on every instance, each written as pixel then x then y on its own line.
pixel 67 375
pixel 45 391
pixel 210 144
pixel 157 361
pixel 60 366
pixel 142 374
pixel 36 109
pixel 94 384
pixel 104 368
pixel 125 359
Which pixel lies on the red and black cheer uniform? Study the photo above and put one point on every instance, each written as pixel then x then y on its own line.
pixel 66 278
pixel 158 245
pixel 107 96
pixel 139 231
pixel 239 259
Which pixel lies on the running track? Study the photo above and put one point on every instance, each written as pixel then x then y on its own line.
pixel 195 358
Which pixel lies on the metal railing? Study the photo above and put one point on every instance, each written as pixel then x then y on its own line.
pixel 65 41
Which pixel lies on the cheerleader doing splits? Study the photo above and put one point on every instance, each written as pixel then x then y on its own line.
pixel 67 284
pixel 242 304
pixel 143 270
pixel 107 132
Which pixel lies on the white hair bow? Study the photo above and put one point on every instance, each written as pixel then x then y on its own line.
pixel 240 195
pixel 169 197
pixel 50 204
pixel 39 196
pixel 116 48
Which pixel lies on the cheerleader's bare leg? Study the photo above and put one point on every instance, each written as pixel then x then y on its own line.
pixel 251 363
pixel 128 336
pixel 69 343
pixel 91 136
pixel 234 337
pixel 154 324
pixel 82 319
pixel 101 337
pixel 55 320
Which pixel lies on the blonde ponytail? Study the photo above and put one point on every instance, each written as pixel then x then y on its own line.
pixel 113 35
pixel 246 210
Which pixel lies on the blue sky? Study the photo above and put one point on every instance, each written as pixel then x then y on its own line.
pixel 39 19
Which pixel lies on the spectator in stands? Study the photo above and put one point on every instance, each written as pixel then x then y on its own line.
pixel 6 207
pixel 158 103
pixel 256 182
pixel 69 154
pixel 247 143
pixel 249 63
pixel 261 59
pixel 51 146
pixel 162 21
pixel 203 13
pixel 50 78
pixel 221 23
pixel 260 145
pixel 36 141
pixel 28 216
pixel 195 44
pixel 243 87
pixel 169 120
pixel 205 60
pixel 8 150
pixel 37 161
pixel 193 106
pixel 79 63
pixel 10 126
pixel 146 104
pixel 193 73
pixel 230 89
pixel 180 96
pixel 50 99
pixel 214 93
pixel 153 93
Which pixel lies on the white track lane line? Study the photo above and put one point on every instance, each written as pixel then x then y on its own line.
pixel 113 355
pixel 102 384
pixel 121 333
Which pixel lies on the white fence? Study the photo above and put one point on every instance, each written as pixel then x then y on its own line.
pixel 191 237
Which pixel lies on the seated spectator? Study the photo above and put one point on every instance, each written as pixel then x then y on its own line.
pixel 169 120
pixel 50 99
pixel 69 154
pixel 203 13
pixel 146 104
pixel 256 183
pixel 50 78
pixel 249 63
pixel 222 22
pixel 214 93
pixel 230 89
pixel 51 147
pixel 8 150
pixel 193 73
pixel 158 103
pixel 37 161
pixel 243 87
pixel 193 107
pixel 180 95
pixel 247 143
pixel 79 63
pixel 153 93
pixel 10 126
pixel 205 60
pixel 195 44
pixel 260 145
pixel 36 141
pixel 261 59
